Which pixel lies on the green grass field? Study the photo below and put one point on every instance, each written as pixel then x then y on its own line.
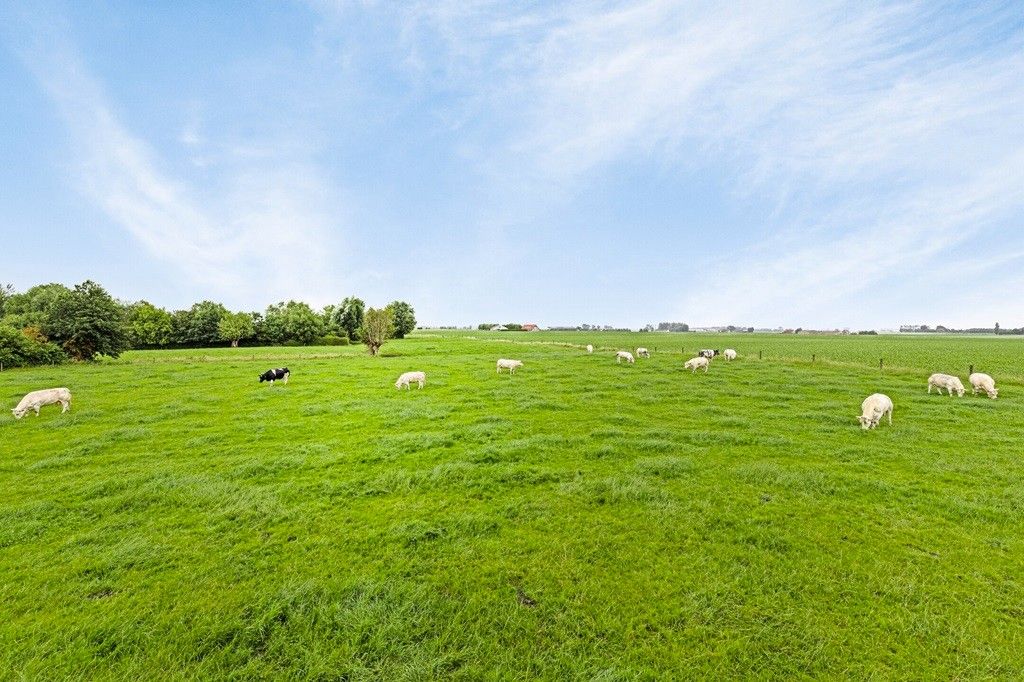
pixel 579 520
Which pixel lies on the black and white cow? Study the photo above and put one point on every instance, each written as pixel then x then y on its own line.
pixel 707 353
pixel 272 375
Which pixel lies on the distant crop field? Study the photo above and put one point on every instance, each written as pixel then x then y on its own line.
pixel 578 520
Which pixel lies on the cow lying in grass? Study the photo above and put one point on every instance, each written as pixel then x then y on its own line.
pixel 37 399
pixel 272 375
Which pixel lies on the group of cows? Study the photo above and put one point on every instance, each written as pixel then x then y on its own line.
pixel 878 405
pixel 702 361
pixel 874 408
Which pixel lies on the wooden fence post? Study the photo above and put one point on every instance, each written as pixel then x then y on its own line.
pixel 812 357
pixel 880 364
pixel 760 354
pixel 971 370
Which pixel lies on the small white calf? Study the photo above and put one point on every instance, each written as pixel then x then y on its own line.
pixel 642 353
pixel 510 365
pixel 37 399
pixel 983 382
pixel 411 378
pixel 698 362
pixel 948 382
pixel 624 355
pixel 590 349
pixel 729 354
pixel 874 407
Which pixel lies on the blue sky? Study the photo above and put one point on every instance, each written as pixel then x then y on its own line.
pixel 805 163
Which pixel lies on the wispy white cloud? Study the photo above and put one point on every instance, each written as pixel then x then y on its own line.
pixel 883 135
pixel 247 229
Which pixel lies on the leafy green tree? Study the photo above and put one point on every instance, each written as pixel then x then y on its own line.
pixel 349 317
pixel 6 291
pixel 376 329
pixel 292 321
pixel 34 308
pixel 148 326
pixel 199 325
pixel 328 318
pixel 403 318
pixel 236 326
pixel 87 321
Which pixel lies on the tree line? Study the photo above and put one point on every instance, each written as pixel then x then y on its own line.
pixel 51 323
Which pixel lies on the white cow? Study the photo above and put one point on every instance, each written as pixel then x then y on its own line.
pixel 411 378
pixel 729 354
pixel 590 349
pixel 983 382
pixel 946 381
pixel 624 355
pixel 48 396
pixel 642 353
pixel 510 365
pixel 874 407
pixel 698 362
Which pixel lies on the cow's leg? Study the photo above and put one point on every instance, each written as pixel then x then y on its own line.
pixel 64 405
pixel 37 410
pixel 285 380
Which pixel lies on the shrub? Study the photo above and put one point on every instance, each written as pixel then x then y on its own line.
pixel 332 340
pixel 23 348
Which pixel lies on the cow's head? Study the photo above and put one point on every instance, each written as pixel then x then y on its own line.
pixel 18 413
pixel 865 422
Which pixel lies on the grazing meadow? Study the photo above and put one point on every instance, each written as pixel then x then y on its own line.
pixel 581 519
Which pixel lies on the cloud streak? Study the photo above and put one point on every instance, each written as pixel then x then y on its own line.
pixel 881 136
pixel 271 216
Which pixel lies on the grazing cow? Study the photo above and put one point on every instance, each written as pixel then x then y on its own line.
pixel 37 399
pixel 698 362
pixel 590 348
pixel 983 382
pixel 510 365
pixel 411 378
pixel 624 355
pixel 708 353
pixel 874 407
pixel 272 375
pixel 729 354
pixel 946 381
pixel 642 353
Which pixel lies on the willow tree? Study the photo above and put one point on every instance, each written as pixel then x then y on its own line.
pixel 376 329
